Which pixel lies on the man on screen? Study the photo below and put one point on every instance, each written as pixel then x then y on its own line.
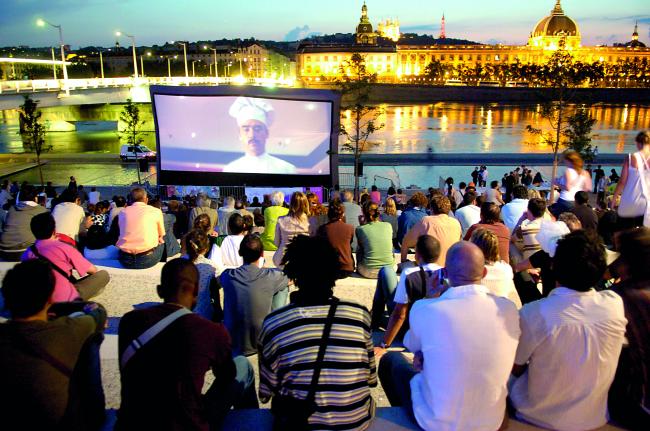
pixel 254 116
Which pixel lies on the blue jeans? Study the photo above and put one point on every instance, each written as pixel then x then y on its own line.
pixel 395 374
pixel 238 394
pixel 386 284
pixel 560 207
pixel 132 261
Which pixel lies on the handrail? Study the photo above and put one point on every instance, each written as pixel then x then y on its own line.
pixel 37 85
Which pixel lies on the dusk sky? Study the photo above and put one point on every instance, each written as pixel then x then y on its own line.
pixel 94 22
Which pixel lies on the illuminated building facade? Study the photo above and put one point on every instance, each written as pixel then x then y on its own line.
pixel 406 60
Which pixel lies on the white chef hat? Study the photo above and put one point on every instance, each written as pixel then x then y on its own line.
pixel 248 108
pixel 549 233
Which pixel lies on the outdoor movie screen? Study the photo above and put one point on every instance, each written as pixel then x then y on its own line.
pixel 254 137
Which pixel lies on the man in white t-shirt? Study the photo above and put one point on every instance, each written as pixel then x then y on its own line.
pixel 228 253
pixel 570 342
pixel 254 116
pixel 513 210
pixel 462 342
pixel 470 213
pixel 93 196
pixel 69 217
pixel 396 297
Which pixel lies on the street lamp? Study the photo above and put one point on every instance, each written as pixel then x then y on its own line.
pixel 142 63
pixel 53 64
pixel 193 70
pixel 41 23
pixel 101 62
pixel 184 56
pixel 135 58
pixel 214 50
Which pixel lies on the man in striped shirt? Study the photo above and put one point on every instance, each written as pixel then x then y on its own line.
pixel 291 336
pixel 529 227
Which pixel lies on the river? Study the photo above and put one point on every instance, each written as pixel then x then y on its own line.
pixel 439 128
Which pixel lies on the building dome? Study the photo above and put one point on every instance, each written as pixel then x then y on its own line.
pixel 555 31
pixel 365 34
pixel 556 24
pixel 635 42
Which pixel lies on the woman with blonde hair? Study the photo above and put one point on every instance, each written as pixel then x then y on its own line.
pixel 499 278
pixel 295 223
pixel 390 216
pixel 317 213
pixel 575 179
pixel 634 186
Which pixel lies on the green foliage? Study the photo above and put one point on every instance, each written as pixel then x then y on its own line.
pixel 578 133
pixel 33 131
pixel 130 116
pixel 436 70
pixel 131 133
pixel 356 85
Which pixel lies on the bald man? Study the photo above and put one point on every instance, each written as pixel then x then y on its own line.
pixel 463 343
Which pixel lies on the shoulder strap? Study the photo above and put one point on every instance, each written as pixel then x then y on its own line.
pixel 410 288
pixel 70 277
pixel 150 333
pixel 321 350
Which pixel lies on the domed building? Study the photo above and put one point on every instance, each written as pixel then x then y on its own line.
pixel 555 31
pixel 635 42
pixel 406 59
pixel 365 34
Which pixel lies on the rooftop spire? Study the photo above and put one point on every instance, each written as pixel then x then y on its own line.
pixel 442 27
pixel 557 10
pixel 635 35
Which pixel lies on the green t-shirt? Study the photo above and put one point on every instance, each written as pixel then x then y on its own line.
pixel 375 244
pixel 271 215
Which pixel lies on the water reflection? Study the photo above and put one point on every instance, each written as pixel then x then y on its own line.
pixel 493 127
pixel 436 127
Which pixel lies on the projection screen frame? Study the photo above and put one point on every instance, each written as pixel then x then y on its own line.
pixel 169 177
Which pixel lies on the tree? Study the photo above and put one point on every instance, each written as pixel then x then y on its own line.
pixel 131 133
pixel 562 75
pixel 579 133
pixel 356 86
pixel 33 131
pixel 435 70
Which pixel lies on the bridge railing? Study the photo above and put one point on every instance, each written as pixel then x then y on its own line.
pixel 40 85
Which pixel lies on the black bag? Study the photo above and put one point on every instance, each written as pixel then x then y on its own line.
pixel 292 414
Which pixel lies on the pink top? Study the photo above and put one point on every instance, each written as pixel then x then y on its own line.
pixel 141 226
pixel 375 197
pixel 65 257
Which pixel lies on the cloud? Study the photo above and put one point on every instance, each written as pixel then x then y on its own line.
pixel 608 39
pixel 422 28
pixel 496 42
pixel 299 33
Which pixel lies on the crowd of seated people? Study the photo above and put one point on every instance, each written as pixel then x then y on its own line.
pixel 501 320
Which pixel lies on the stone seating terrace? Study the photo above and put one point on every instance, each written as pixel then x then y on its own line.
pixel 129 288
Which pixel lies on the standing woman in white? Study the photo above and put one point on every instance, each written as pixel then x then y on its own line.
pixel 575 179
pixel 634 186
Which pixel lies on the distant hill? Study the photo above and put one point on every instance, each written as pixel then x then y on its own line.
pixel 406 39
pixel 425 39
